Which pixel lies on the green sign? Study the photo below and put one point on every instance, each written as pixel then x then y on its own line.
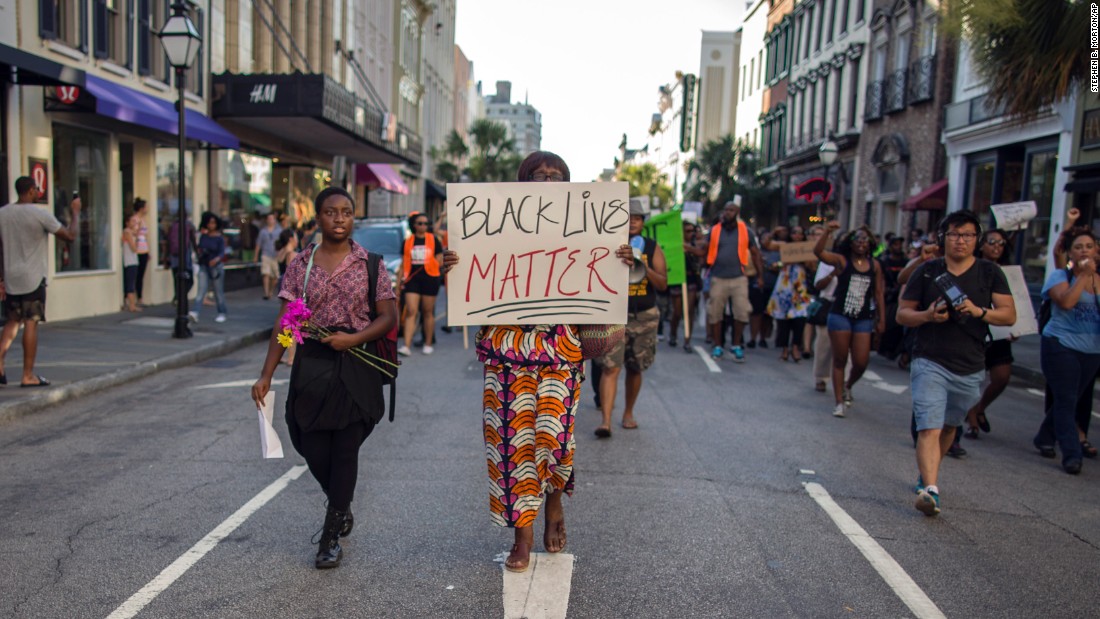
pixel 668 230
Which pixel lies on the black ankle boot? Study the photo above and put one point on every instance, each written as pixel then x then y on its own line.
pixel 349 522
pixel 329 552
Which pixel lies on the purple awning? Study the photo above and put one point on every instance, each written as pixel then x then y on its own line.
pixel 135 107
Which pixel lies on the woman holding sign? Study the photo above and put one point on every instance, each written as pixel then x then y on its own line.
pixel 532 379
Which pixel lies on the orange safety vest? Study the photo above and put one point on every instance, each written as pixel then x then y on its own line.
pixel 742 244
pixel 431 265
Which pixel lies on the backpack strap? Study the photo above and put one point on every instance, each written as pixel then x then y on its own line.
pixel 309 267
pixel 373 261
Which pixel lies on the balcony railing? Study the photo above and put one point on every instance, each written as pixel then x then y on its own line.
pixel 895 91
pixel 873 106
pixel 970 112
pixel 922 79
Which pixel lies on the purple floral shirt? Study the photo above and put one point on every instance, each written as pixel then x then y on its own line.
pixel 338 299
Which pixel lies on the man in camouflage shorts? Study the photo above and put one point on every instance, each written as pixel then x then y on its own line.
pixel 639 346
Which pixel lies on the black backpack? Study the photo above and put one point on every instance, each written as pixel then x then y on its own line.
pixel 384 347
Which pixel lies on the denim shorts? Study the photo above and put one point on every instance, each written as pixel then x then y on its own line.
pixel 941 397
pixel 840 322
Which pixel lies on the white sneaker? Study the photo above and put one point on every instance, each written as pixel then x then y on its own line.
pixel 403 350
pixel 428 350
pixel 839 410
pixel 193 315
pixel 220 318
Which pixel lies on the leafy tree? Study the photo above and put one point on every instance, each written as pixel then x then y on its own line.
pixel 449 159
pixel 647 180
pixel 1032 53
pixel 724 168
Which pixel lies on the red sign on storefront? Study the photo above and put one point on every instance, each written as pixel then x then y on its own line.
pixel 67 94
pixel 40 174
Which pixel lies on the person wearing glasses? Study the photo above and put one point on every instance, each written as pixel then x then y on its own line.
pixel 951 302
pixel 420 282
pixel 857 310
pixel 529 405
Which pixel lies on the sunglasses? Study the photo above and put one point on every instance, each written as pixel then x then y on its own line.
pixel 995 242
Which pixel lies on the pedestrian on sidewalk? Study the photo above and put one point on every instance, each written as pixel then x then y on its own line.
pixel 1070 347
pixel 638 348
pixel 730 250
pixel 951 302
pixel 858 310
pixel 140 219
pixel 265 245
pixel 184 267
pixel 211 260
pixel 529 437
pixel 334 400
pixel 24 229
pixel 130 264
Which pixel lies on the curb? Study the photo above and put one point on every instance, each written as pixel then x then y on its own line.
pixel 44 399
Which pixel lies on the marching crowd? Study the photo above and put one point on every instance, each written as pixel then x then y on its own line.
pixel 927 302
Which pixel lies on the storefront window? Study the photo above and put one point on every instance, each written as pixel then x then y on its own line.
pixel 293 192
pixel 168 193
pixel 981 186
pixel 1040 188
pixel 80 166
pixel 244 197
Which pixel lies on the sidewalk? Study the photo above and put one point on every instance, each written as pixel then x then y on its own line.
pixel 88 354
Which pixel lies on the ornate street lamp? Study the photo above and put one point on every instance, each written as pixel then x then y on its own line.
pixel 181 42
pixel 827 156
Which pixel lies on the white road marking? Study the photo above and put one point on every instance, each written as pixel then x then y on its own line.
pixel 806 472
pixel 170 574
pixel 542 592
pixel 240 383
pixel 1038 392
pixel 877 382
pixel 884 564
pixel 1096 414
pixel 711 365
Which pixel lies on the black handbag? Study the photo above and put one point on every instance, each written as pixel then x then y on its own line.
pixel 817 313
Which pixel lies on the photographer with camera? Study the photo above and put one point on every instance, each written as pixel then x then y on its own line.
pixel 951 302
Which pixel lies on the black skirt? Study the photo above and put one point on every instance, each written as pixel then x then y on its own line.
pixel 330 390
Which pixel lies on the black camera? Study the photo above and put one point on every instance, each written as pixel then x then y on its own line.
pixel 951 291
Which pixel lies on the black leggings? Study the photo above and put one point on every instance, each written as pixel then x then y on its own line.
pixel 788 332
pixel 143 263
pixel 333 458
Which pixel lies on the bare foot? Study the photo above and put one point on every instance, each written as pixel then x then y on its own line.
pixel 553 539
pixel 629 423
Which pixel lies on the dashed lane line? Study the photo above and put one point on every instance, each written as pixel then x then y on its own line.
pixel 248 382
pixel 904 586
pixel 170 574
pixel 542 592
pixel 711 365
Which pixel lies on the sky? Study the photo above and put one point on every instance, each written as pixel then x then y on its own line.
pixel 591 68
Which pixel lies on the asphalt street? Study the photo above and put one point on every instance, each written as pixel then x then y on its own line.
pixel 701 512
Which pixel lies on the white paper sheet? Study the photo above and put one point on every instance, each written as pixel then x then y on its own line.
pixel 1026 323
pixel 270 445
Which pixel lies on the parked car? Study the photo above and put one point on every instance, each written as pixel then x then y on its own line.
pixel 384 236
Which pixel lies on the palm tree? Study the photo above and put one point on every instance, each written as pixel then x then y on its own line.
pixel 726 167
pixel 494 156
pixel 1032 53
pixel 450 159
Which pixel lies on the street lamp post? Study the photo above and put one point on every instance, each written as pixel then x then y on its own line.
pixel 827 155
pixel 181 42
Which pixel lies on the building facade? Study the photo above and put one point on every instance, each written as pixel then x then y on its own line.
pixel 718 86
pixel 751 84
pixel 992 159
pixel 904 184
pixel 777 66
pixel 825 99
pixel 524 122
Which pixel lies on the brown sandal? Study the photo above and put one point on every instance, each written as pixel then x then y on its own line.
pixel 514 563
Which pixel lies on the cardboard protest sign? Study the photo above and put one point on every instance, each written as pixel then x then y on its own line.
pixel 1013 215
pixel 1026 323
pixel 537 253
pixel 693 211
pixel 668 230
pixel 791 253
